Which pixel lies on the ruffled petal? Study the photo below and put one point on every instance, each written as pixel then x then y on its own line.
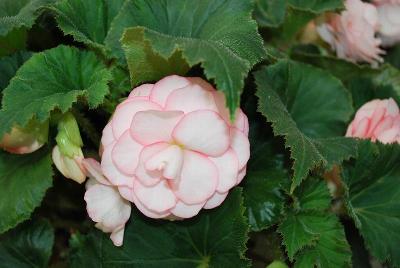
pixel 228 167
pixel 191 98
pixel 185 211
pixel 125 112
pixel 240 144
pixel 147 212
pixel 154 126
pixel 158 198
pixel 169 161
pixel 199 179
pixel 241 175
pixel 108 136
pixel 389 136
pixel 165 86
pixel 215 200
pixel 94 171
pixel 111 172
pixel 203 131
pixel 125 153
pixel 141 91
pixel 126 193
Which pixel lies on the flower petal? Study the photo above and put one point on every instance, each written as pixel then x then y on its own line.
pixel 158 198
pixel 94 170
pixel 185 211
pixel 126 111
pixel 240 144
pixel 228 166
pixel 165 86
pixel 169 161
pixel 241 175
pixel 141 91
pixel 125 153
pixel 203 131
pixel 154 126
pixel 191 98
pixel 111 172
pixel 389 136
pixel 126 193
pixel 108 136
pixel 147 212
pixel 215 200
pixel 198 181
pixel 117 236
pixel 145 176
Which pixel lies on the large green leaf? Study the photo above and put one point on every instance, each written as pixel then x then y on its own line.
pixel 215 238
pixel 87 21
pixel 374 198
pixel 19 13
pixel 53 79
pixel 14 41
pixel 310 108
pixel 208 32
pixel 29 245
pixel 24 180
pixel 10 65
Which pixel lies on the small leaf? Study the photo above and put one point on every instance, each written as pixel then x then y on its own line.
pixel 209 32
pixel 88 21
pixel 373 198
pixel 18 13
pixel 53 79
pixel 215 238
pixel 28 245
pixel 313 195
pixel 9 66
pixel 302 104
pixel 24 180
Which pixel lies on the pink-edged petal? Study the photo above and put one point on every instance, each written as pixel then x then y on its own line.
pixel 389 136
pixel 228 167
pixel 106 206
pixel 145 176
pixel 126 193
pixel 125 153
pixel 111 172
pixel 191 98
pixel 201 82
pixel 169 161
pixel 241 146
pixel 384 125
pixel 125 112
pixel 377 116
pixel 154 126
pixel 185 211
pixel 147 212
pixel 108 136
pixel 361 130
pixel 240 120
pixel 94 170
pixel 246 126
pixel 165 86
pixel 203 131
pixel 241 175
pixel 158 198
pixel 117 236
pixel 215 200
pixel 198 181
pixel 220 101
pixel 141 91
pixel 349 131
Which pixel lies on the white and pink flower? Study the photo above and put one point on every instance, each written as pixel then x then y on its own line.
pixel 389 20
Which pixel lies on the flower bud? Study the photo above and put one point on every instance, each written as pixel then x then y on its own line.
pixel 25 140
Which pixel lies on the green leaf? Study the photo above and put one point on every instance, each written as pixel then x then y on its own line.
pixel 24 180
pixel 88 21
pixel 53 79
pixel 19 13
pixel 373 198
pixel 302 104
pixel 10 65
pixel 313 195
pixel 215 238
pixel 28 245
pixel 14 41
pixel 209 32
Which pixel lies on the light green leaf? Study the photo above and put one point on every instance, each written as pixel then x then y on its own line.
pixel 374 198
pixel 215 238
pixel 209 32
pixel 24 180
pixel 310 108
pixel 53 79
pixel 88 21
pixel 9 66
pixel 19 13
pixel 29 245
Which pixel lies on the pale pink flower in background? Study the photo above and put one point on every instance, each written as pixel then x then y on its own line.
pixel 389 19
pixel 352 33
pixel 71 167
pixel 171 149
pixel 377 120
pixel 104 203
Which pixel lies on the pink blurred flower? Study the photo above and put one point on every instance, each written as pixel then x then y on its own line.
pixel 352 33
pixel 377 120
pixel 389 19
